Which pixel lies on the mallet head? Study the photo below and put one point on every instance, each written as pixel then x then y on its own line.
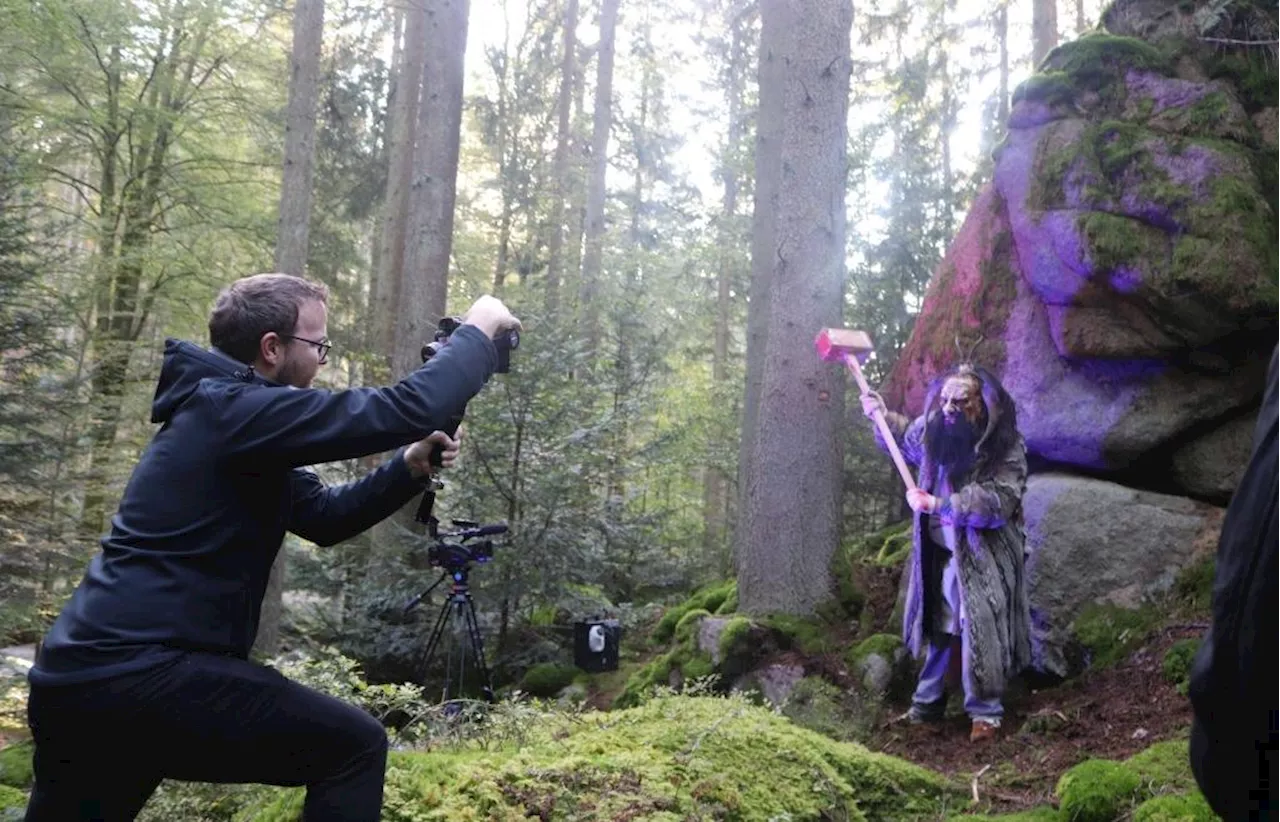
pixel 834 344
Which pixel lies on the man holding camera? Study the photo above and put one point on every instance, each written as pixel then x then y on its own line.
pixel 967 584
pixel 150 655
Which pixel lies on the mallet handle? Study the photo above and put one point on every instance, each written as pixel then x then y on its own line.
pixel 892 444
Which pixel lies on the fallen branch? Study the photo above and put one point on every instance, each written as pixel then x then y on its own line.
pixel 974 783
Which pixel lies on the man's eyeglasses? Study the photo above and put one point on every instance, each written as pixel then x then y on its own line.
pixel 322 346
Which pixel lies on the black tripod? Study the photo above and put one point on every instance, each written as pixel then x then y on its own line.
pixel 458 603
pixel 456 558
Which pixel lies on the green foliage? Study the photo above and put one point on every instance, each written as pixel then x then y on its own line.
pixel 15 765
pixel 1109 632
pixel 1176 666
pixel 1188 808
pixel 1193 587
pixel 547 678
pixel 1096 790
pixel 673 758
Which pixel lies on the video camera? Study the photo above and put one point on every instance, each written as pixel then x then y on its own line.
pixel 456 555
pixel 506 342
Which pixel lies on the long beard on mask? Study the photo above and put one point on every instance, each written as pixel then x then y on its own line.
pixel 951 446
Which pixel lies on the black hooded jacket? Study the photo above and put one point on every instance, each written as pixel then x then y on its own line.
pixel 185 564
pixel 1234 681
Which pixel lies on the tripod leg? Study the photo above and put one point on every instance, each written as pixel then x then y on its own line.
pixel 477 647
pixel 436 632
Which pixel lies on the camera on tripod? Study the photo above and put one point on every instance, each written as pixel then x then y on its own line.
pixel 456 555
pixel 506 342
pixel 456 559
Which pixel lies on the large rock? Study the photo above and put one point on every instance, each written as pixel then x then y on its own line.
pixel 1090 540
pixel 1121 267
pixel 1210 466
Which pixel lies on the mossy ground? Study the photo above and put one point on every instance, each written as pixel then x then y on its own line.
pixel 674 758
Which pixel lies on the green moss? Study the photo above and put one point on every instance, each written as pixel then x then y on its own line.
pixel 15 765
pixel 1096 790
pixel 800 633
pixel 697 666
pixel 688 624
pixel 730 604
pixel 1098 57
pixel 1115 242
pixel 824 708
pixel 735 638
pixel 12 799
pixel 547 678
pixel 708 599
pixel 1165 767
pixel 1244 238
pixel 1189 808
pixel 1176 666
pixel 641 684
pixel 1109 632
pixel 674 758
pixel 885 645
pixel 1049 87
pixel 1206 114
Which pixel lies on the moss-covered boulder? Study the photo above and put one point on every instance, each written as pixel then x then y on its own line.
pixel 1121 267
pixel 674 758
pixel 1097 790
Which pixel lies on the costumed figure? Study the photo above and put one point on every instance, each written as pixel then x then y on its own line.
pixel 967 591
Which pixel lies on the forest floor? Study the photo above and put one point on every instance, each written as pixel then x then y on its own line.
pixel 1111 713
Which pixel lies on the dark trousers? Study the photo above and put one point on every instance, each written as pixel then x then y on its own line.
pixel 102 748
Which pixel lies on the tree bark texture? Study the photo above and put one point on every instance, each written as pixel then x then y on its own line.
pixel 294 228
pixel 429 244
pixel 406 87
pixel 791 528
pixel 1044 29
pixel 602 118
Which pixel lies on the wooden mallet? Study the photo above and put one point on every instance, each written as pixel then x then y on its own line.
pixel 849 346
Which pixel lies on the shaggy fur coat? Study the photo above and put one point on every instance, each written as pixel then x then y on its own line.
pixel 986 510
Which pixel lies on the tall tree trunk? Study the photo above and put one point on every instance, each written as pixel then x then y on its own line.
pixel 505 151
pixel 294 230
pixel 1080 24
pixel 1002 38
pixel 560 164
pixel 601 121
pixel 716 483
pixel 294 226
pixel 1044 29
pixel 406 87
pixel 768 169
pixel 429 244
pixel 791 529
